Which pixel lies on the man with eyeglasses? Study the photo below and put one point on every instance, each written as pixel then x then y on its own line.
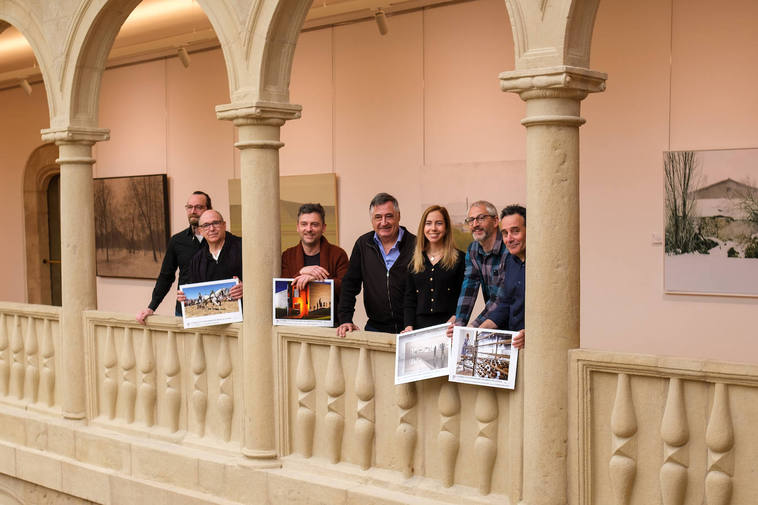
pixel 379 264
pixel 220 257
pixel 485 267
pixel 179 252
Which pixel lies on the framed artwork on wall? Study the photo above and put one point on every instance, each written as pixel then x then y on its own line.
pixel 711 222
pixel 131 225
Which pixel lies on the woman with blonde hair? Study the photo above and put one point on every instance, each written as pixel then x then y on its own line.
pixel 435 273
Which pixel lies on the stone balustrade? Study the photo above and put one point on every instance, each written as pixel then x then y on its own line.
pixel 650 429
pixel 29 337
pixel 164 409
pixel 163 406
pixel 163 380
pixel 339 409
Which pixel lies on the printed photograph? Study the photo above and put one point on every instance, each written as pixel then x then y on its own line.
pixel 711 222
pixel 483 357
pixel 422 354
pixel 310 306
pixel 209 303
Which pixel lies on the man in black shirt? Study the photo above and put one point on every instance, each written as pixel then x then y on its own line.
pixel 219 258
pixel 179 252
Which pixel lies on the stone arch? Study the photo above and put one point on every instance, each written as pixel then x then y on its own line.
pixel 278 23
pixel 90 41
pixel 15 13
pixel 581 23
pixel 40 168
pixel 552 33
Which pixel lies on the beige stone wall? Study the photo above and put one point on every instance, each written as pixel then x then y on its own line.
pixel 20 492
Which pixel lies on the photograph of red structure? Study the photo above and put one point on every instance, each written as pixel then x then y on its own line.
pixel 311 305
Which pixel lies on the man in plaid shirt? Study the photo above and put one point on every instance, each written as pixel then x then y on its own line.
pixel 485 267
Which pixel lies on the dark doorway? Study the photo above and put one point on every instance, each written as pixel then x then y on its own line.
pixel 54 235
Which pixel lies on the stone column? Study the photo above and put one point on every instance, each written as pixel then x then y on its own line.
pixel 552 96
pixel 258 127
pixel 78 283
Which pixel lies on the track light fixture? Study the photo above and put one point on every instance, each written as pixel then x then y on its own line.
pixel 183 56
pixel 381 21
pixel 26 86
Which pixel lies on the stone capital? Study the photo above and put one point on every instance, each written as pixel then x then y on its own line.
pixel 76 135
pixel 258 113
pixel 553 82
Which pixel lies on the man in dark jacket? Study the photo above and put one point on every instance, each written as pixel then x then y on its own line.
pixel 179 252
pixel 220 258
pixel 379 264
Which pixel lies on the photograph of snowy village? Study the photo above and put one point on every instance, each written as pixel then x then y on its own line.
pixel 309 306
pixel 711 222
pixel 422 354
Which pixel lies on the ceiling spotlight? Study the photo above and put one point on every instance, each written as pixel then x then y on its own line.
pixel 183 56
pixel 26 86
pixel 381 21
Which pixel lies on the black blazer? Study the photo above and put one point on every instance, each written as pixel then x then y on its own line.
pixel 383 291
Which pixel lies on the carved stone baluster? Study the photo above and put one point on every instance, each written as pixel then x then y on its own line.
pixel 622 466
pixel 110 375
pixel 5 367
pixel 405 433
pixel 173 383
pixel 199 398
pixel 675 435
pixel 364 424
pixel 17 361
pixel 146 390
pixel 31 378
pixel 305 380
pixel 450 425
pixel 719 438
pixel 225 399
pixel 335 404
pixel 485 446
pixel 47 369
pixel 127 388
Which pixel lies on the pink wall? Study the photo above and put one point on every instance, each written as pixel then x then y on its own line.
pixel 419 113
pixel 22 119
pixel 162 120
pixel 685 84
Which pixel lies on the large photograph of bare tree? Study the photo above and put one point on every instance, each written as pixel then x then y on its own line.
pixel 711 234
pixel 131 225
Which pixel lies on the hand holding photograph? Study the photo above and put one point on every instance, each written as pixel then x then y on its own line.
pixel 209 303
pixel 422 354
pixel 310 306
pixel 483 357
